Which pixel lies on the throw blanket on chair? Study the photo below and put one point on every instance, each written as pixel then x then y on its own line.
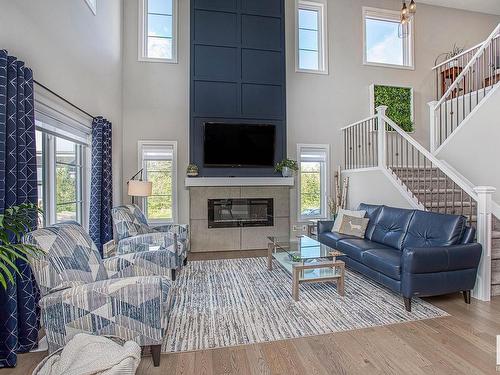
pixel 93 355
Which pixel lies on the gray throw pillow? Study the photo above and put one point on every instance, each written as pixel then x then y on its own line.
pixel 341 213
pixel 354 226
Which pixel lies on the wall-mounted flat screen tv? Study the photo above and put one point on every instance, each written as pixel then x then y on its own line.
pixel 239 145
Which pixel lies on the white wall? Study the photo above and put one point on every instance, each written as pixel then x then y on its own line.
pixel 318 105
pixel 381 190
pixel 155 99
pixel 74 53
pixel 478 161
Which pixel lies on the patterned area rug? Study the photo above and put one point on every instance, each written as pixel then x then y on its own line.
pixel 221 303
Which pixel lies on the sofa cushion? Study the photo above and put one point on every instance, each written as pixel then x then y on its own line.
pixel 430 229
pixel 354 247
pixel 331 238
pixel 386 261
pixel 372 212
pixel 391 226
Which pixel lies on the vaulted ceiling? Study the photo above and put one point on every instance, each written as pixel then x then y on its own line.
pixel 483 6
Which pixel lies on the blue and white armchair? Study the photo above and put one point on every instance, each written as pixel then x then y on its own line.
pixel 81 292
pixel 133 233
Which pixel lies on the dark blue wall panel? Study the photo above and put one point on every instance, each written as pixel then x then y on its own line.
pixel 215 63
pixel 262 101
pixel 227 5
pixel 261 32
pixel 237 72
pixel 259 66
pixel 262 7
pixel 217 28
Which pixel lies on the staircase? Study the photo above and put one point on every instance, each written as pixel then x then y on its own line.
pixel 426 182
pixel 432 188
pixel 495 258
pixel 463 83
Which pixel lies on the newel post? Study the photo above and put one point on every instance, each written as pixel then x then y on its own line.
pixel 482 290
pixel 432 125
pixel 382 154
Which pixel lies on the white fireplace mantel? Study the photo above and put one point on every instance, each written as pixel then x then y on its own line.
pixel 239 181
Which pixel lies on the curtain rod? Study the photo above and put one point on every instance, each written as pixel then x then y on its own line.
pixel 63 99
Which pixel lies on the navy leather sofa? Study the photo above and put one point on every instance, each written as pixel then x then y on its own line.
pixel 412 252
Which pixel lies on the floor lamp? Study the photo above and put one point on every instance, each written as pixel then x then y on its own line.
pixel 138 187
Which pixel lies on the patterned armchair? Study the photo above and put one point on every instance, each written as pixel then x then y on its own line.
pixel 80 292
pixel 133 233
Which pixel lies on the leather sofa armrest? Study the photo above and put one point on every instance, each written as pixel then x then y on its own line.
pixel 325 226
pixel 441 259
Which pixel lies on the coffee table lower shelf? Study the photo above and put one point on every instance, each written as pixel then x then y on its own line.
pixel 329 270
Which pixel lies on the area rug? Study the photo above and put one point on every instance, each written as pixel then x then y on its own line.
pixel 221 303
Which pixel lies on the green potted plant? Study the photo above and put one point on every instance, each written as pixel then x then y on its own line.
pixel 192 170
pixel 15 222
pixel 287 167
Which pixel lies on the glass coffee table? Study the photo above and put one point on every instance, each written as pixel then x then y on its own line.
pixel 307 261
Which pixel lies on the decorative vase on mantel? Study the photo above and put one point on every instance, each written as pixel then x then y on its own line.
pixel 286 172
pixel 192 170
pixel 286 167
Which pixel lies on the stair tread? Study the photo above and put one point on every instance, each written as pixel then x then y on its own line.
pixel 495 234
pixel 422 178
pixel 435 191
pixel 450 204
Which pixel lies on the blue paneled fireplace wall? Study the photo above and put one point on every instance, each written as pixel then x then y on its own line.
pixel 237 72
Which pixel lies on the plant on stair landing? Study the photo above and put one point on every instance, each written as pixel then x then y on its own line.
pixel 287 167
pixel 15 222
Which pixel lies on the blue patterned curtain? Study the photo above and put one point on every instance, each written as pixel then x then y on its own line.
pixel 101 189
pixel 18 184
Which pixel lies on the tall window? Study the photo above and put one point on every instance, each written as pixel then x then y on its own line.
pixel 386 41
pixel 311 37
pixel 158 30
pixel 159 164
pixel 313 181
pixel 62 176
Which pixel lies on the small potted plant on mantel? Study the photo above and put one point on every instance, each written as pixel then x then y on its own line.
pixel 192 170
pixel 287 167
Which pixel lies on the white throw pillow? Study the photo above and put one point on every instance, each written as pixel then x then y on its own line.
pixel 341 213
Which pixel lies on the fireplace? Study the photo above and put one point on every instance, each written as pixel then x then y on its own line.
pixel 234 213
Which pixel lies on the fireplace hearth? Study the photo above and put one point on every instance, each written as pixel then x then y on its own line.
pixel 240 212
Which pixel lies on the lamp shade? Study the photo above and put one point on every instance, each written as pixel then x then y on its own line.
pixel 138 188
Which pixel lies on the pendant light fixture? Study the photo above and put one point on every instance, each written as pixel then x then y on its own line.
pixel 407 14
pixel 412 8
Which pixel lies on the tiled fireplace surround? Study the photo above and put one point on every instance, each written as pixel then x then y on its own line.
pixel 245 238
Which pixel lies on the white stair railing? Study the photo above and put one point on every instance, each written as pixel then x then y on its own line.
pixel 360 144
pixel 470 86
pixel 423 177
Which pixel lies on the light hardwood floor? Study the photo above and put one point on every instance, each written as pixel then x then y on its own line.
pixel 463 343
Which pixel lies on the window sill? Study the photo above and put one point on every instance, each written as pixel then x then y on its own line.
pixel 308 71
pixel 391 66
pixel 157 60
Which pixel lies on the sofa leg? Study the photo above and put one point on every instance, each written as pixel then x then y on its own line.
pixel 407 304
pixel 172 274
pixel 466 294
pixel 156 353
pixel 185 262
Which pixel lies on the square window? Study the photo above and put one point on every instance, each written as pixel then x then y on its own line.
pixel 386 41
